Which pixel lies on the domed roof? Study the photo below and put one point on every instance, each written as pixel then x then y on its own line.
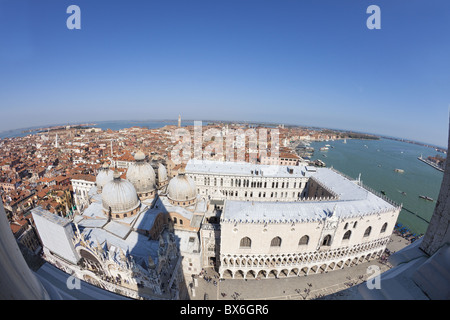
pixel 141 174
pixel 162 173
pixel 104 176
pixel 119 195
pixel 139 156
pixel 181 188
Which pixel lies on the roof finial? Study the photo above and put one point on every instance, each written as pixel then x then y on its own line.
pixel 117 174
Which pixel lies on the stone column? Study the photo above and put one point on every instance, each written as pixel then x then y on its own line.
pixel 17 282
pixel 438 233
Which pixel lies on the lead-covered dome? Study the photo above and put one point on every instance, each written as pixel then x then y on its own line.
pixel 142 176
pixel 104 176
pixel 182 190
pixel 119 198
pixel 162 175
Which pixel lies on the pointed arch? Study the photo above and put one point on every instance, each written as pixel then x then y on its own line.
pixel 245 242
pixel 303 241
pixel 276 242
pixel 347 235
pixel 326 240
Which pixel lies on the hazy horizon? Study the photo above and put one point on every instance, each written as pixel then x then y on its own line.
pixel 217 120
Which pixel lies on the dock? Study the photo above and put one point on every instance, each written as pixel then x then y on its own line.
pixel 430 164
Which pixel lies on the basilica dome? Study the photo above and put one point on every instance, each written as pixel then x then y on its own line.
pixel 182 190
pixel 162 175
pixel 103 177
pixel 142 176
pixel 119 198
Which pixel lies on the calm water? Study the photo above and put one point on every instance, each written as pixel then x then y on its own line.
pixel 376 161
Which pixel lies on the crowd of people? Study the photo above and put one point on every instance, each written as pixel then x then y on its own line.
pixel 209 279
pixel 399 230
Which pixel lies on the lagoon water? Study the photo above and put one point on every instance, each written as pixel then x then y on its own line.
pixel 376 161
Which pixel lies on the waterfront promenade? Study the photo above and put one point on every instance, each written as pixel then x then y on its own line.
pixel 313 286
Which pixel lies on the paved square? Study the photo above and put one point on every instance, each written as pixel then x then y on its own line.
pixel 312 286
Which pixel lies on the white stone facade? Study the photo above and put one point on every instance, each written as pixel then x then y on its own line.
pixel 288 248
pixel 262 221
pixel 109 266
pixel 81 192
pixel 284 221
pixel 248 182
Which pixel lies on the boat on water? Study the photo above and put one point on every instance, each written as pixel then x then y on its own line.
pixel 399 170
pixel 319 163
pixel 345 141
pixel 426 198
pixel 324 149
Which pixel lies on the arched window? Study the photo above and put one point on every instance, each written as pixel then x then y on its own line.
pixel 347 235
pixel 246 242
pixel 367 232
pixel 346 226
pixel 276 242
pixel 384 227
pixel 303 241
pixel 174 220
pixel 327 240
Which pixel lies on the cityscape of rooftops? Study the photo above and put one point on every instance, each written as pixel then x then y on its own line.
pixel 222 150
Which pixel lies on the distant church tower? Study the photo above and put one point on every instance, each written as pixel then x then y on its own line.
pixel 56 141
pixel 179 121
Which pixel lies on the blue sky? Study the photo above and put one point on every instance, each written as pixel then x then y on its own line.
pixel 304 62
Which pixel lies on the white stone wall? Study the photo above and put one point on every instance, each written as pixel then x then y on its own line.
pixel 81 190
pixel 256 188
pixel 290 258
pixel 210 237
